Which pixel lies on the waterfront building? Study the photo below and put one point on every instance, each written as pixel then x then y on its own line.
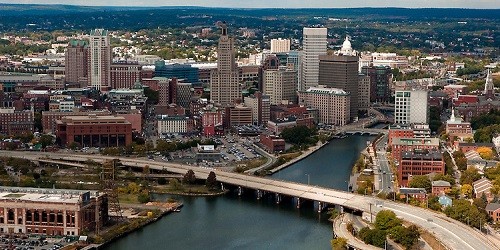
pixel 16 122
pixel 281 86
pixel 313 45
pixel 411 107
pixel 333 104
pixel 272 144
pixel 124 75
pixel 76 62
pixel 261 108
pixel 94 131
pixel 224 81
pixel 206 153
pixel 280 45
pixel 419 162
pixel 51 211
pixel 100 60
pixel 380 82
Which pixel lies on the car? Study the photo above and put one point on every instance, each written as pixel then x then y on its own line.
pixel 379 179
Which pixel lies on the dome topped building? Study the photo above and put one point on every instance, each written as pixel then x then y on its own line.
pixel 346 49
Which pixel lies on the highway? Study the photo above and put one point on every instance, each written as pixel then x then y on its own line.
pixel 452 233
pixel 385 174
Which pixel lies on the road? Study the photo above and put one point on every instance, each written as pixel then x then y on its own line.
pixel 452 233
pixel 340 230
pixel 456 173
pixel 385 175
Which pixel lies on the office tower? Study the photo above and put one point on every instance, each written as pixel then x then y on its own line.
pixel 224 81
pixel 380 80
pixel 261 108
pixel 76 62
pixel 363 93
pixel 341 71
pixel 124 75
pixel 410 107
pixel 167 92
pixel 331 103
pixel 281 85
pixel 100 60
pixel 179 71
pixel 270 63
pixel 280 45
pixel 313 45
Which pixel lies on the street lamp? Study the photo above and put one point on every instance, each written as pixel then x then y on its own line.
pixel 308 179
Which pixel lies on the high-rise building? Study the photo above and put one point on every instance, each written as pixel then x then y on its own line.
pixel 280 45
pixel 380 80
pixel 269 63
pixel 410 107
pixel 76 62
pixel 261 108
pixel 124 75
pixel 281 85
pixel 314 44
pixel 224 81
pixel 341 71
pixel 363 93
pixel 332 104
pixel 167 90
pixel 179 71
pixel 100 60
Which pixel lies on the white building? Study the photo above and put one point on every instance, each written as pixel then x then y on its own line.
pixel 314 45
pixel 280 85
pixel 100 60
pixel 261 107
pixel 411 107
pixel 333 104
pixel 172 125
pixel 280 45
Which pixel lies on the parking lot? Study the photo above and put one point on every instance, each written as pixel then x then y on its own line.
pixel 31 243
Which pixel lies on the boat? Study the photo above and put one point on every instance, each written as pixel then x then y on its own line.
pixel 177 210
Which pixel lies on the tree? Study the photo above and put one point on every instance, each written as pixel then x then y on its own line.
pixel 46 140
pixel 175 184
pixel 466 190
pixel 297 135
pixel 485 153
pixel 211 182
pixel 469 176
pixel 162 181
pixel 153 96
pixel 339 243
pixel 189 177
pixel 442 177
pixel 421 181
pixel 386 219
pixel 143 197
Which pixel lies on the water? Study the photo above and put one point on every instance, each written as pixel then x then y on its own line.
pixel 232 222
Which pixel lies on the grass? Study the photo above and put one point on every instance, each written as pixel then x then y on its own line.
pixel 128 198
pixel 250 164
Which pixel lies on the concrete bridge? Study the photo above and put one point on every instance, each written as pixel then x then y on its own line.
pixel 454 234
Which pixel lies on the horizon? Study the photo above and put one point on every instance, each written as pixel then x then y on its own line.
pixel 280 4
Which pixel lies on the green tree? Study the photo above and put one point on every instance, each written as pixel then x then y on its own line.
pixel 189 177
pixel 153 96
pixel 144 197
pixel 211 182
pixel 386 219
pixel 297 135
pixel 469 176
pixel 421 181
pixel 339 243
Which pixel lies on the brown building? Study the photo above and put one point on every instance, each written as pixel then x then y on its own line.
pixel 238 115
pixel 51 211
pixel 399 132
pixel 440 187
pixel 94 131
pixel 77 62
pixel 419 162
pixel 493 210
pixel 272 144
pixel 125 75
pixel 401 145
pixel 49 118
pixel 13 122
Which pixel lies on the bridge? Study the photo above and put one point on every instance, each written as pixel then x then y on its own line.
pixel 363 131
pixel 453 234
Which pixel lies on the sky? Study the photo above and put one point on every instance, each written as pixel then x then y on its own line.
pixel 473 4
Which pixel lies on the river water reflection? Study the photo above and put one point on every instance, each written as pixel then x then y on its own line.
pixel 232 222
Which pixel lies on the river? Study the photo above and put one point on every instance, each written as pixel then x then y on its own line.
pixel 232 222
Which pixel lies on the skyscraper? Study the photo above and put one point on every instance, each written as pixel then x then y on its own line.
pixel 314 44
pixel 380 79
pixel 280 45
pixel 224 81
pixel 410 107
pixel 281 85
pixel 341 71
pixel 100 60
pixel 76 62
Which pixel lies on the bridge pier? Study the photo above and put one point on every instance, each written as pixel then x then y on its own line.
pixel 259 194
pixel 278 198
pixel 240 191
pixel 298 202
pixel 320 207
pixel 222 186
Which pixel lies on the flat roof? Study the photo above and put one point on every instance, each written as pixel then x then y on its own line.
pixel 44 194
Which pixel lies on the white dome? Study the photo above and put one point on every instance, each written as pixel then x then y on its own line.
pixel 347 44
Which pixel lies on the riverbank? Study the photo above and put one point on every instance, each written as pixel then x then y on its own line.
pixel 192 194
pixel 304 154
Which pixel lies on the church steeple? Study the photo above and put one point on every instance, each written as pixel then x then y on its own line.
pixel 489 88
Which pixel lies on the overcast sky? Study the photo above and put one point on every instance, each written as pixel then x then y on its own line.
pixel 487 4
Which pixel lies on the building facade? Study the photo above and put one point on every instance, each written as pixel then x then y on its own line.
pixel 77 62
pixel 313 45
pixel 124 75
pixel 364 93
pixel 333 104
pixel 380 82
pixel 224 81
pixel 411 107
pixel 261 108
pixel 280 45
pixel 94 131
pixel 419 162
pixel 401 145
pixel 14 122
pixel 172 125
pixel 51 211
pixel 100 60
pixel 281 86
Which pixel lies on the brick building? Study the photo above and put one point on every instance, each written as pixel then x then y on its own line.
pixel 400 145
pixel 440 187
pixel 51 211
pixel 94 131
pixel 419 162
pixel 49 118
pixel 272 144
pixel 13 122
pixel 124 75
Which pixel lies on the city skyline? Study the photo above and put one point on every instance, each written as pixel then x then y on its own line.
pixel 479 4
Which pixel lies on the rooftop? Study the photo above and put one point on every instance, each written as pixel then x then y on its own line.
pixel 441 184
pixel 45 194
pixel 416 141
pixel 326 91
